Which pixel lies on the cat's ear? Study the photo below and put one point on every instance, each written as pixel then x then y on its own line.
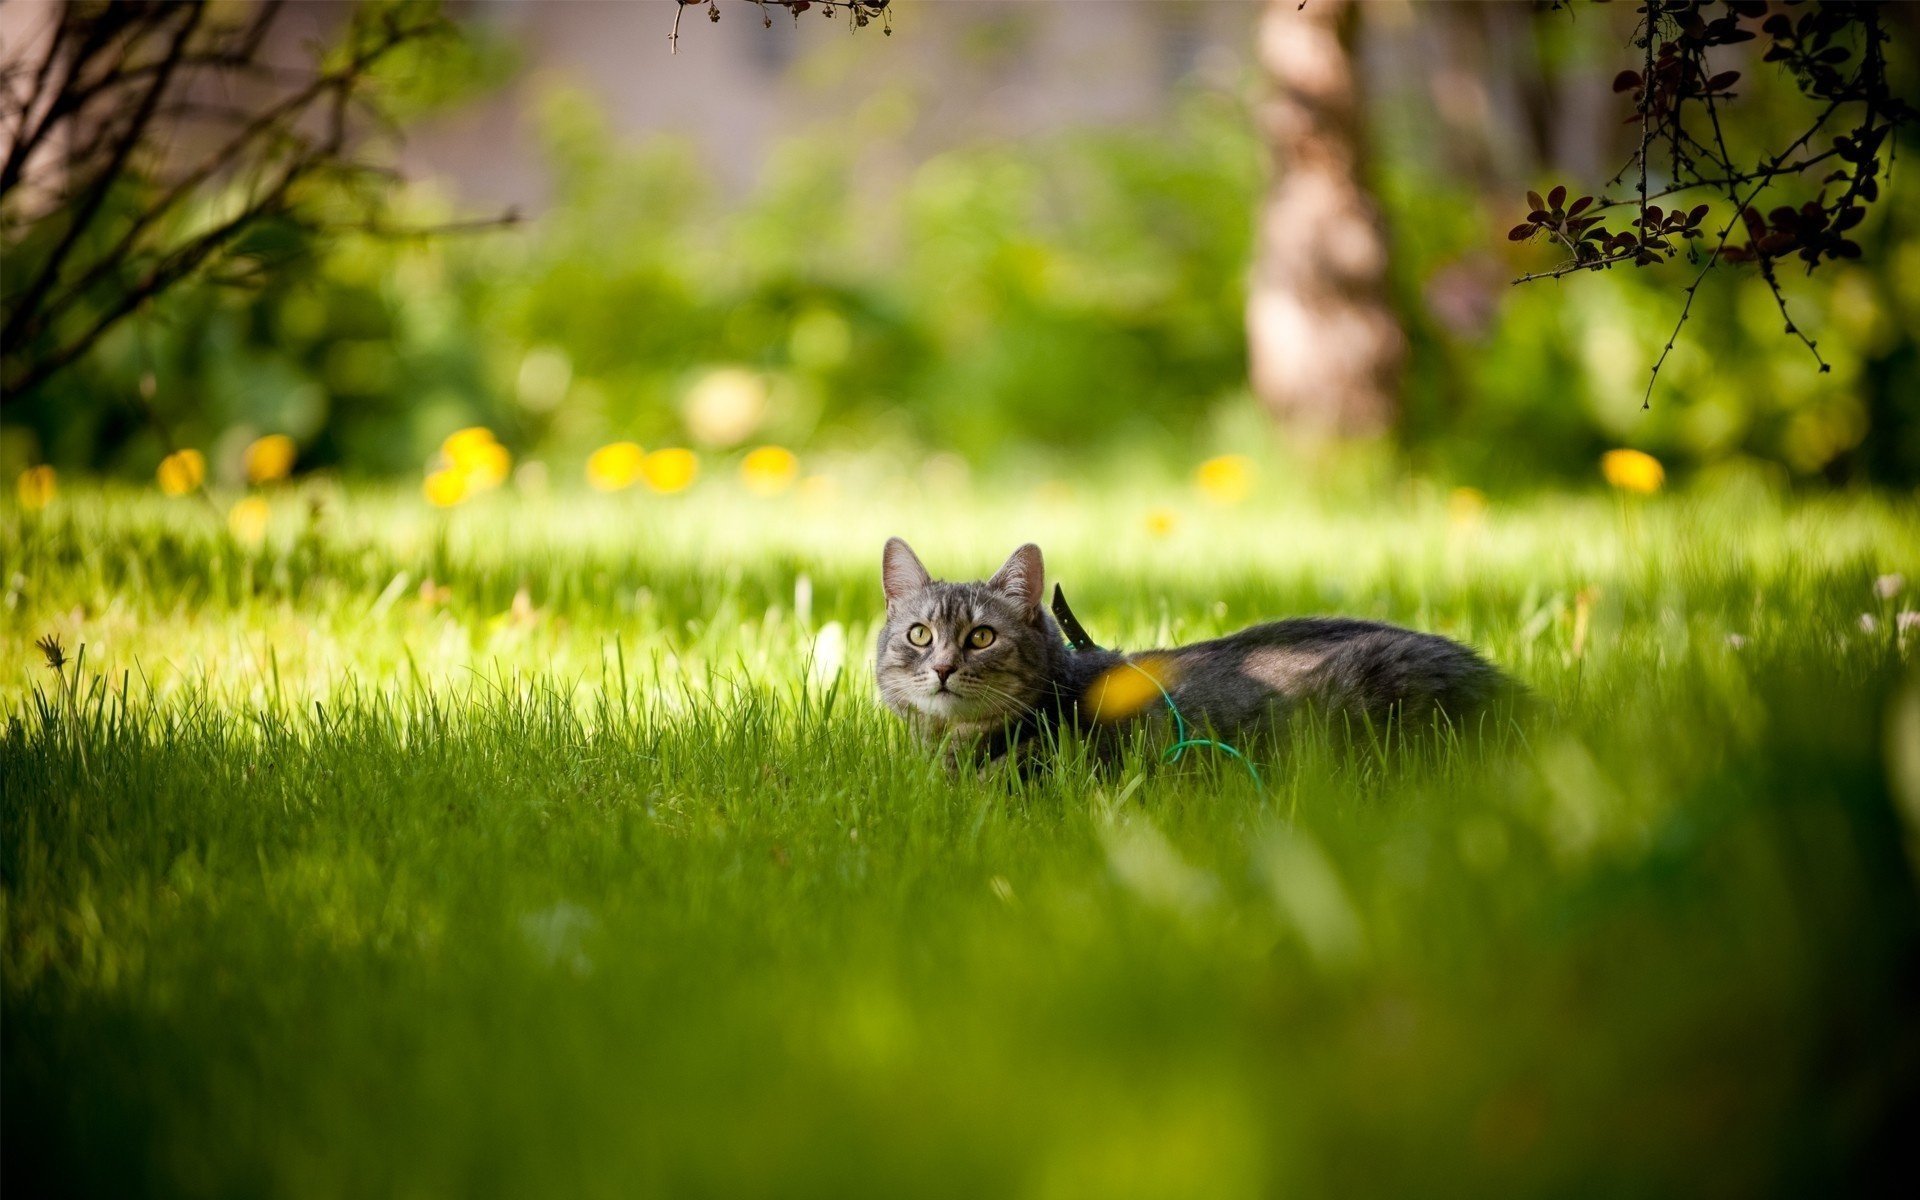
pixel 1021 579
pixel 900 571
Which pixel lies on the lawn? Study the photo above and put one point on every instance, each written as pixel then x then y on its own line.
pixel 557 847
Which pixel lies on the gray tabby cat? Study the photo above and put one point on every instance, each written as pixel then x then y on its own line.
pixel 985 664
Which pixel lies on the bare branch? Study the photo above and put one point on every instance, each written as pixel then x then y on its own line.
pixel 141 67
pixel 89 206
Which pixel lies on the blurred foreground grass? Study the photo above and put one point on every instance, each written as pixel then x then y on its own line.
pixel 555 847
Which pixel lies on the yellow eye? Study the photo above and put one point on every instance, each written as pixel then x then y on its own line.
pixel 981 637
pixel 919 635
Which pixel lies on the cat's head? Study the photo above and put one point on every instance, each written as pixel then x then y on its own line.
pixel 964 656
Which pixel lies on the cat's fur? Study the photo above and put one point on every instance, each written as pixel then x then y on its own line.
pixel 1028 684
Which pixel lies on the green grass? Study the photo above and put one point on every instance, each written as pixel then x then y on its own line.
pixel 582 871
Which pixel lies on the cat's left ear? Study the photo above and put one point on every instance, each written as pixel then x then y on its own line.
pixel 1022 578
pixel 900 571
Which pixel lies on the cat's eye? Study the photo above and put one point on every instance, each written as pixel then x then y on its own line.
pixel 919 635
pixel 981 637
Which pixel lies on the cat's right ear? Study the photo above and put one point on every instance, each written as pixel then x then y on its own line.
pixel 900 571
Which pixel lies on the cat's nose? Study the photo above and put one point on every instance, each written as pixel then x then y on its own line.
pixel 943 670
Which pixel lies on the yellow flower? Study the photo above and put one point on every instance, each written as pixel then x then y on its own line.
pixel 247 520
pixel 1126 688
pixel 36 487
pixel 269 458
pixel 614 466
pixel 1161 522
pixel 462 446
pixel 769 470
pixel 182 472
pixel 1226 479
pixel 482 460
pixel 670 470
pixel 1633 471
pixel 487 467
pixel 446 487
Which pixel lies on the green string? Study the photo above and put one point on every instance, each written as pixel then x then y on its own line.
pixel 1182 742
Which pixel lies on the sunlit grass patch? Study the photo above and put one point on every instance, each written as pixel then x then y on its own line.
pixel 557 846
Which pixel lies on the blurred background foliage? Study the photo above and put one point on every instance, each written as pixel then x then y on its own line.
pixel 1012 305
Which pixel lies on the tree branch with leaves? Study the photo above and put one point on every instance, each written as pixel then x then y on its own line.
pixel 859 13
pixel 1836 55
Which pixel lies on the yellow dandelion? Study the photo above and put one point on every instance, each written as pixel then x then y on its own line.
pixel 614 466
pixel 464 447
pixel 247 520
pixel 182 472
pixel 269 458
pixel 1126 688
pixel 1633 471
pixel 671 470
pixel 486 467
pixel 1227 479
pixel 36 487
pixel 769 470
pixel 1161 522
pixel 446 487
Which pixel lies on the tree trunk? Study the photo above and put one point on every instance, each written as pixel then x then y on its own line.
pixel 1324 344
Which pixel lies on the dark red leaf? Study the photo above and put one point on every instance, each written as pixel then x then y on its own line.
pixel 1625 80
pixel 1557 196
pixel 1847 218
pixel 1535 202
pixel 1723 80
pixel 1520 233
pixel 1574 209
pixel 1698 214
